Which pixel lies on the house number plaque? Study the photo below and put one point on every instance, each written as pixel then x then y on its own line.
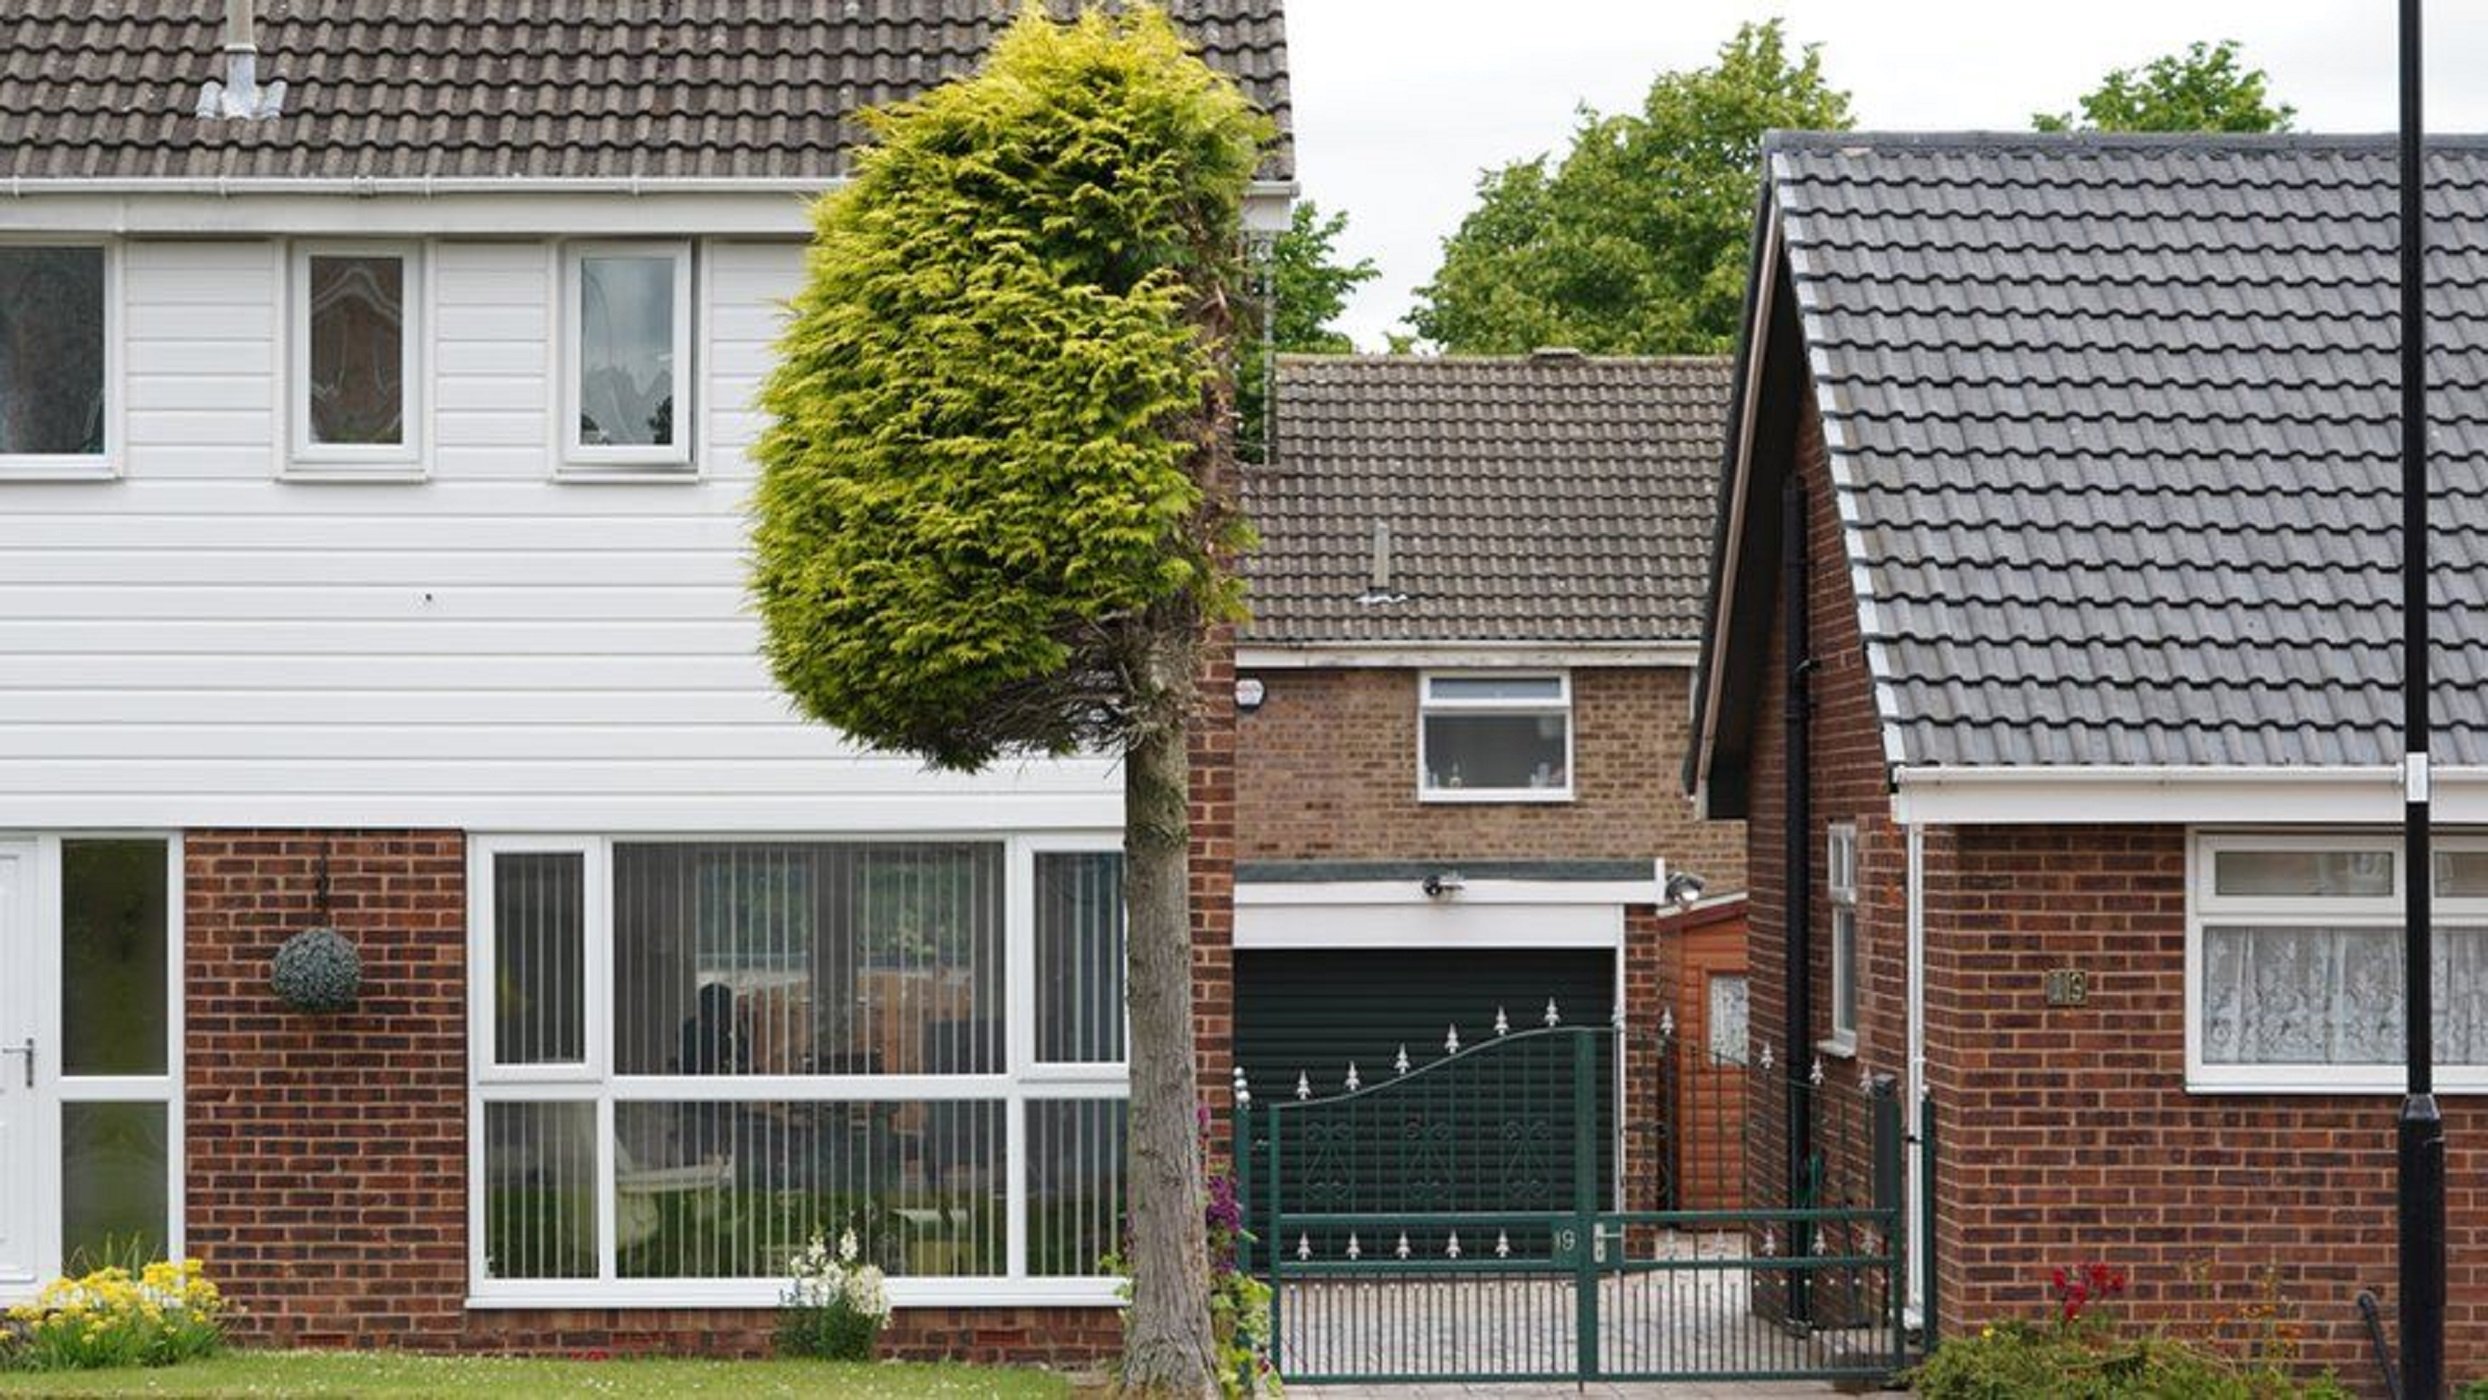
pixel 2068 986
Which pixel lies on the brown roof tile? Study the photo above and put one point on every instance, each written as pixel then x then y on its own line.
pixel 104 89
pixel 1528 498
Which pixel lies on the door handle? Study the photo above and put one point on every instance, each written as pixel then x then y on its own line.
pixel 27 1050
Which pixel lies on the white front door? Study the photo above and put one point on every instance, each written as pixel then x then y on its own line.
pixel 21 1115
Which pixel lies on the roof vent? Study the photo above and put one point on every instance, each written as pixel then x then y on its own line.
pixel 1556 354
pixel 240 96
pixel 1378 583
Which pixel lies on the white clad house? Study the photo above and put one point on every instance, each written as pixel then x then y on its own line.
pixel 375 391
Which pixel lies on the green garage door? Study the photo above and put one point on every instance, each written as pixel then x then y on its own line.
pixel 1313 1014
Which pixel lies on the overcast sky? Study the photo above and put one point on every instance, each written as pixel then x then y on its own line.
pixel 1400 103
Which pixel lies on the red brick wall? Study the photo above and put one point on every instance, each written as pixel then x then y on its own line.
pixel 326 1156
pixel 1327 770
pixel 2068 1134
pixel 1070 1338
pixel 1214 824
pixel 1848 784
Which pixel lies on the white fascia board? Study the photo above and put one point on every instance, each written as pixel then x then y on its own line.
pixel 1740 488
pixel 1337 893
pixel 1269 207
pixel 1446 927
pixel 2364 795
pixel 722 813
pixel 465 206
pixel 1455 655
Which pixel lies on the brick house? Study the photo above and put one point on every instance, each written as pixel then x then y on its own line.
pixel 2069 467
pixel 372 458
pixel 1474 616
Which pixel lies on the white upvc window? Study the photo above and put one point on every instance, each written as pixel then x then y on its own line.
pixel 356 372
pixel 60 358
pixel 2294 962
pixel 1494 736
pixel 626 348
pixel 690 1054
pixel 1840 882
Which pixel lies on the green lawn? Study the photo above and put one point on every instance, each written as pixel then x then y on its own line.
pixel 333 1373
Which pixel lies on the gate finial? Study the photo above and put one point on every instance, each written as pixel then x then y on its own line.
pixel 1399 1062
pixel 1243 1092
pixel 1667 1021
pixel 1502 1022
pixel 1304 1086
pixel 1452 1250
pixel 1355 1250
pixel 1451 1040
pixel 1552 1018
pixel 1354 1083
pixel 1814 1076
pixel 1402 1251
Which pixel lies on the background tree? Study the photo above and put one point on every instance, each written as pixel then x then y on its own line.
pixel 994 513
pixel 2202 89
pixel 1636 242
pixel 1304 287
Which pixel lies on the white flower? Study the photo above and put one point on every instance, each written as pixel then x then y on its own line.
pixel 846 1247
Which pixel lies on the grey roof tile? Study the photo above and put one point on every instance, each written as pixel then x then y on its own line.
pixel 1528 498
pixel 2120 431
pixel 96 89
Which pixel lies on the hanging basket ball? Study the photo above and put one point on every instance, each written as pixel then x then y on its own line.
pixel 317 970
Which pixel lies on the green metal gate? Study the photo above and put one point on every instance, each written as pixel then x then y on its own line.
pixel 1453 1221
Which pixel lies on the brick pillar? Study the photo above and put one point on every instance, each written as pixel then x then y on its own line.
pixel 326 1155
pixel 1213 878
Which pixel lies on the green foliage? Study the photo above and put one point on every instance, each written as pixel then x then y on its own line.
pixel 1310 286
pixel 154 1314
pixel 980 496
pixel 1305 287
pixel 2202 89
pixel 1637 242
pixel 2013 1360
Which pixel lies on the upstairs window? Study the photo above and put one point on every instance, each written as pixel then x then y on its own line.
pixel 356 356
pixel 629 333
pixel 55 359
pixel 1495 738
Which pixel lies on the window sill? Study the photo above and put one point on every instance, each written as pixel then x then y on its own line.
pixel 1476 795
pixel 2363 1083
pixel 345 474
pixel 1838 1046
pixel 978 1292
pixel 628 473
pixel 59 469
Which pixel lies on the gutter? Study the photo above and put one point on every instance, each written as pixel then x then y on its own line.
pixel 431 186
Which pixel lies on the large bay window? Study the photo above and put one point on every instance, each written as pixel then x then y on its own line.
pixel 691 1055
pixel 2294 962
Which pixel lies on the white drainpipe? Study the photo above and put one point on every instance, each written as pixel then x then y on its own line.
pixel 1915 1086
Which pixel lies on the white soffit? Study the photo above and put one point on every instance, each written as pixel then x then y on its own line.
pixel 2034 796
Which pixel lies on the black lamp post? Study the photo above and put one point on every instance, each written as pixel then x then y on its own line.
pixel 2421 1193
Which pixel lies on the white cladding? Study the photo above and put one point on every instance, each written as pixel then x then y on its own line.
pixel 203 642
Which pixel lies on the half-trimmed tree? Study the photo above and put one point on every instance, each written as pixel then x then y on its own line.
pixel 1635 243
pixel 994 516
pixel 2205 88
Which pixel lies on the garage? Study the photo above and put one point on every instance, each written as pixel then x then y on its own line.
pixel 1312 1014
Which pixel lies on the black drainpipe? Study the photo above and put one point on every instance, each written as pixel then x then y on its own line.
pixel 1799 865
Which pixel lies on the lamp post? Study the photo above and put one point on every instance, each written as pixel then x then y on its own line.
pixel 2420 1196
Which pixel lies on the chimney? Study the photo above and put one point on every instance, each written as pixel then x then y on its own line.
pixel 240 96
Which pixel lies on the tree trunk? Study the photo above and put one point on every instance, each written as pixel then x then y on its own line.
pixel 1167 1347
